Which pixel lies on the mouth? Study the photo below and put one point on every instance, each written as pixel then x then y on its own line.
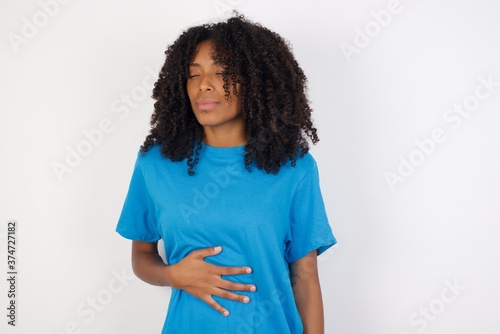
pixel 206 104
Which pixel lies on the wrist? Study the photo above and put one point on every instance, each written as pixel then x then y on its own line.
pixel 168 276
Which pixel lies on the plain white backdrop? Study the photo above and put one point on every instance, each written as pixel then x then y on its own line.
pixel 406 98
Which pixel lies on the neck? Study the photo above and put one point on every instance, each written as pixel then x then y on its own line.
pixel 229 136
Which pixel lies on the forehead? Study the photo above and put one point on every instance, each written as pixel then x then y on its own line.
pixel 204 50
pixel 205 54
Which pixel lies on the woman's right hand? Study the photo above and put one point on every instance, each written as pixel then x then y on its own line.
pixel 203 280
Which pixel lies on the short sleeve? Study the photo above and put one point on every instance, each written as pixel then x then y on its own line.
pixel 309 227
pixel 138 219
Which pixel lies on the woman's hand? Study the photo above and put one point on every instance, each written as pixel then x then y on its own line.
pixel 203 280
pixel 192 274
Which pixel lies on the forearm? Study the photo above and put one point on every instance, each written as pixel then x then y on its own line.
pixel 307 293
pixel 149 267
pixel 310 305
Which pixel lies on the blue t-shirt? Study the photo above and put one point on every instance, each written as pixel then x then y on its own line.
pixel 264 221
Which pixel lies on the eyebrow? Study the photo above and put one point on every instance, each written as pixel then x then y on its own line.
pixel 198 65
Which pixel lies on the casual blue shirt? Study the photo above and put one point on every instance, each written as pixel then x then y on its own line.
pixel 264 221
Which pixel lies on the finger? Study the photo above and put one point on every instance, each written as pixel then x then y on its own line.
pixel 228 285
pixel 234 270
pixel 216 306
pixel 209 251
pixel 232 296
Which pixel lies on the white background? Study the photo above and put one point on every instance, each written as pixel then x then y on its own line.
pixel 398 248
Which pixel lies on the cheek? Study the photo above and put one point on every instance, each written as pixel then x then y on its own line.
pixel 235 105
pixel 191 92
pixel 189 88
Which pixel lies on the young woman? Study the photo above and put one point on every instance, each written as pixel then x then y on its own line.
pixel 226 180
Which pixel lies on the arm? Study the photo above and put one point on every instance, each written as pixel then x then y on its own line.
pixel 307 293
pixel 192 274
pixel 148 264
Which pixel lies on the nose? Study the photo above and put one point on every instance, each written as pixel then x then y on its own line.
pixel 206 84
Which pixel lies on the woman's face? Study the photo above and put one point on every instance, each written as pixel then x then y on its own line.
pixel 206 92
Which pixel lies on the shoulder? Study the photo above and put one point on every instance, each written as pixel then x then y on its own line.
pixel 152 154
pixel 152 160
pixel 303 166
pixel 153 164
pixel 305 163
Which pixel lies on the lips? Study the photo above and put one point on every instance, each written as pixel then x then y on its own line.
pixel 206 104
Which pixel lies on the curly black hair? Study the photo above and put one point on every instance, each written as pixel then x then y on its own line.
pixel 273 97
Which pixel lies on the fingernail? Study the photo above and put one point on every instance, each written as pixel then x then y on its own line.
pixel 248 270
pixel 226 313
pixel 217 248
pixel 253 288
pixel 246 299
